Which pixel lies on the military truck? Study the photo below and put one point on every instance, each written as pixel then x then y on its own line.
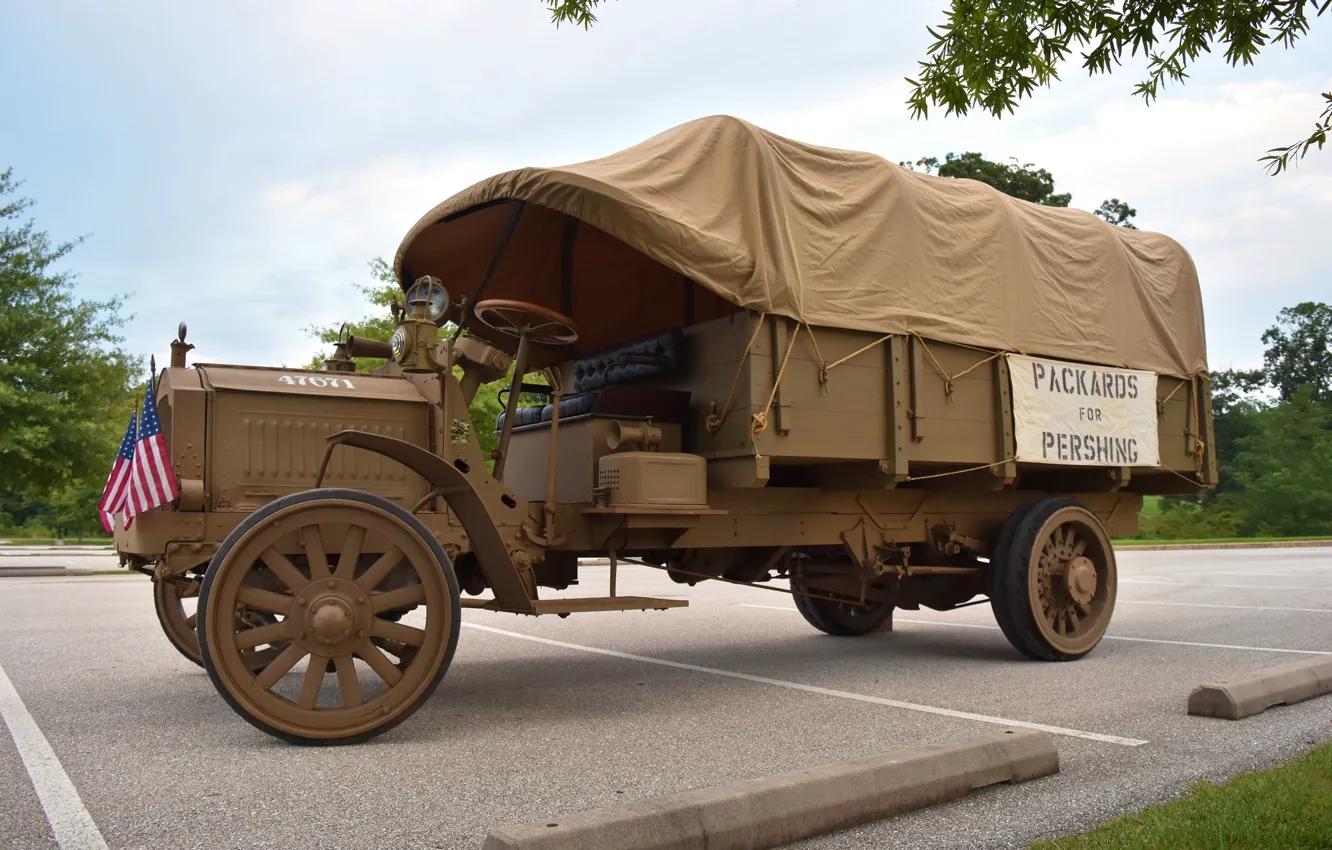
pixel 761 362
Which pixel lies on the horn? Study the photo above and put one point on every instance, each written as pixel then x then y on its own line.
pixel 644 435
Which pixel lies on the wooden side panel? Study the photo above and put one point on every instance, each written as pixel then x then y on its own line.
pixel 1177 424
pixel 843 419
pixel 714 354
pixel 908 405
pixel 957 426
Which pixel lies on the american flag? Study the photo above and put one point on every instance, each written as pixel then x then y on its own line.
pixel 117 483
pixel 152 481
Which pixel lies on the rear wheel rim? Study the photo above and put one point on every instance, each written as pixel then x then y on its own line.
pixel 1072 581
pixel 326 614
pixel 170 594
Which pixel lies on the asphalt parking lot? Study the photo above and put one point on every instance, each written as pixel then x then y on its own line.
pixel 538 717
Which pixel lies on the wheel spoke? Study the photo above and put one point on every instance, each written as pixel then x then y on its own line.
pixel 265 600
pixel 379 570
pixel 412 594
pixel 379 662
pixel 271 633
pixel 409 635
pixel 347 681
pixel 279 667
pixel 314 680
pixel 400 651
pixel 313 543
pixel 191 620
pixel 351 552
pixel 1080 548
pixel 284 569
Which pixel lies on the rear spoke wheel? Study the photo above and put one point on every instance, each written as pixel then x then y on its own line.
pixel 1054 585
pixel 846 618
pixel 174 598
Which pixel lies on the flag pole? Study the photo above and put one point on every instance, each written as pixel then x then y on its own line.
pixel 134 417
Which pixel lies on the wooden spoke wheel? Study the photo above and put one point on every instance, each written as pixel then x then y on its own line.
pixel 843 619
pixel 330 566
pixel 178 621
pixel 1053 580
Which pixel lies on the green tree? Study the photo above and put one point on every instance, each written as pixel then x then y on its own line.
pixel 1020 181
pixel 1299 352
pixel 379 325
pixel 1235 406
pixel 64 379
pixel 1117 212
pixel 71 511
pixel 989 54
pixel 1284 469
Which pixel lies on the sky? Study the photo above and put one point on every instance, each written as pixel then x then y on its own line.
pixel 237 166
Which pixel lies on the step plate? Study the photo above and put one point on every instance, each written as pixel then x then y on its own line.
pixel 581 605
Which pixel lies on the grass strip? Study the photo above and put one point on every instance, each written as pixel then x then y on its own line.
pixel 51 541
pixel 1288 807
pixel 1162 541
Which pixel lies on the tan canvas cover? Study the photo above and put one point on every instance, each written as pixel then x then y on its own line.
pixel 832 237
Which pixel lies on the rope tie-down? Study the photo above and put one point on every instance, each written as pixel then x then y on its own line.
pixel 759 421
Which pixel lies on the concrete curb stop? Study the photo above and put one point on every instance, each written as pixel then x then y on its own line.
pixel 34 571
pixel 774 810
pixel 1253 693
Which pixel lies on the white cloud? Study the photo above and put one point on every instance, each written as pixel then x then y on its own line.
pixel 240 168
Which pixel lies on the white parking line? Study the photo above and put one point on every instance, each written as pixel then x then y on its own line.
pixel 1312 572
pixel 1231 607
pixel 1107 637
pixel 828 692
pixel 71 824
pixel 1209 584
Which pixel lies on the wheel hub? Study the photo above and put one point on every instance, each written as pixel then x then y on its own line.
pixel 330 619
pixel 1080 580
pixel 332 612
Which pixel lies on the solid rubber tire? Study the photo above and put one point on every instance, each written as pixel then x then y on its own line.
pixel 1013 595
pixel 998 560
pixel 816 614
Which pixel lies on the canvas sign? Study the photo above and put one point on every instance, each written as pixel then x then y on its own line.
pixel 1082 415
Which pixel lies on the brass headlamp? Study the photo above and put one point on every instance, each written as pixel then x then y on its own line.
pixel 414 341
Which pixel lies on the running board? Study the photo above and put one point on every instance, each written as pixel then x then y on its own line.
pixel 585 604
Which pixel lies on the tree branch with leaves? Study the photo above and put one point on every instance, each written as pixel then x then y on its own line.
pixel 576 12
pixel 989 54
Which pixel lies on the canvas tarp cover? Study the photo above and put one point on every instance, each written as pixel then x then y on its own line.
pixel 846 239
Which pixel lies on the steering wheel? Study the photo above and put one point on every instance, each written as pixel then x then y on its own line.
pixel 517 319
